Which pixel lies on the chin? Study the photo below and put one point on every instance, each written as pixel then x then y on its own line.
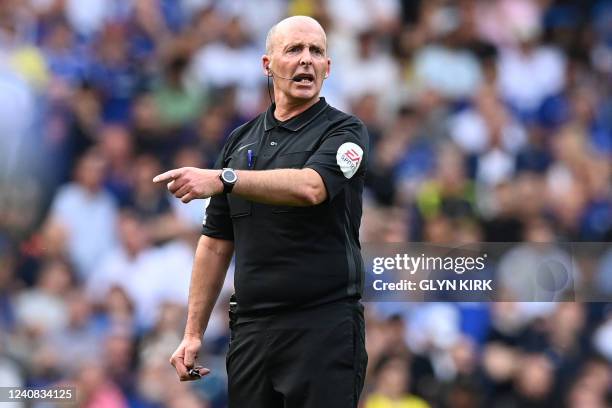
pixel 305 95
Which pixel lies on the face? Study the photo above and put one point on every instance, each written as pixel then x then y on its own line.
pixel 90 171
pixel 298 52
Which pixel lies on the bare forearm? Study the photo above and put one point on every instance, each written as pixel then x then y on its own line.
pixel 210 265
pixel 295 187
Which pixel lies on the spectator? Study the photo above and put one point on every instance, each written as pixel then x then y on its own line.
pixel 80 334
pixel 391 388
pixel 65 61
pixel 135 266
pixel 113 73
pixel 485 129
pixel 117 147
pixel 530 72
pixel 534 382
pixel 150 203
pixel 231 62
pixel 370 70
pixel 95 387
pixel 179 100
pixel 43 309
pixel 83 206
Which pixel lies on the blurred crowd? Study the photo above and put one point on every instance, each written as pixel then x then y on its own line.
pixel 489 120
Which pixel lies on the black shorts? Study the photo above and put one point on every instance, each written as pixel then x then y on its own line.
pixel 314 358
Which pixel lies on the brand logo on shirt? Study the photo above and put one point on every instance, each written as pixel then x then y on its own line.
pixel 245 146
pixel 349 157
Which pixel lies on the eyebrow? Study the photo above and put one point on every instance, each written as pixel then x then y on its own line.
pixel 302 44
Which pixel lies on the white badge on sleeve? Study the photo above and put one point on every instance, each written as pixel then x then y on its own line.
pixel 206 203
pixel 349 158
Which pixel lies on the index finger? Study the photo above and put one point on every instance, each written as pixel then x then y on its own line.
pixel 169 175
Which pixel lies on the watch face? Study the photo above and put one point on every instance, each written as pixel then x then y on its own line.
pixel 229 176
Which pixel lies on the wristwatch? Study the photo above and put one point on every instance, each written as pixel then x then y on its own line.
pixel 228 178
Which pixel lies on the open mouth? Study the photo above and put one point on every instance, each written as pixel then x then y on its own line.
pixel 304 78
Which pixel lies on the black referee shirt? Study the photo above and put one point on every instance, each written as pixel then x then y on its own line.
pixel 294 257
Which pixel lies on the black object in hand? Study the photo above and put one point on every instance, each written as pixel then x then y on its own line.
pixel 195 372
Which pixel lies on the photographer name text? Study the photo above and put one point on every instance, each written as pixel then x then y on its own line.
pixel 434 285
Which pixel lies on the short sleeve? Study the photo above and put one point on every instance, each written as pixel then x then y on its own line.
pixel 218 223
pixel 341 157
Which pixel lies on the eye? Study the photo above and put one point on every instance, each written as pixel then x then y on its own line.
pixel 294 49
pixel 316 51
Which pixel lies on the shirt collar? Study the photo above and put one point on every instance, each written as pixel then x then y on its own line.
pixel 297 122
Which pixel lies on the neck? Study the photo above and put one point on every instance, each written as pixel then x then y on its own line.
pixel 285 110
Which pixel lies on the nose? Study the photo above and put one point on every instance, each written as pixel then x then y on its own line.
pixel 306 57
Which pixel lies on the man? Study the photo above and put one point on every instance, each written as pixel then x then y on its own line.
pixel 288 201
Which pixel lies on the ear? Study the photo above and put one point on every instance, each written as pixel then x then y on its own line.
pixel 265 62
pixel 328 70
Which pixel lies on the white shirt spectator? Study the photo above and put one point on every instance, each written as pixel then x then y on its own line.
pixel 469 130
pixel 154 276
pixel 376 74
pixel 453 73
pixel 434 324
pixel 16 118
pixel 362 15
pixel 506 22
pixel 379 75
pixel 41 310
pixel 526 79
pixel 174 281
pixel 218 65
pixel 494 167
pixel 88 17
pixel 256 16
pixel 10 376
pixel 192 214
pixel 140 277
pixel 90 220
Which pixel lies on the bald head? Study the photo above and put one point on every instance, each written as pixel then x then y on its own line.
pixel 296 60
pixel 288 24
